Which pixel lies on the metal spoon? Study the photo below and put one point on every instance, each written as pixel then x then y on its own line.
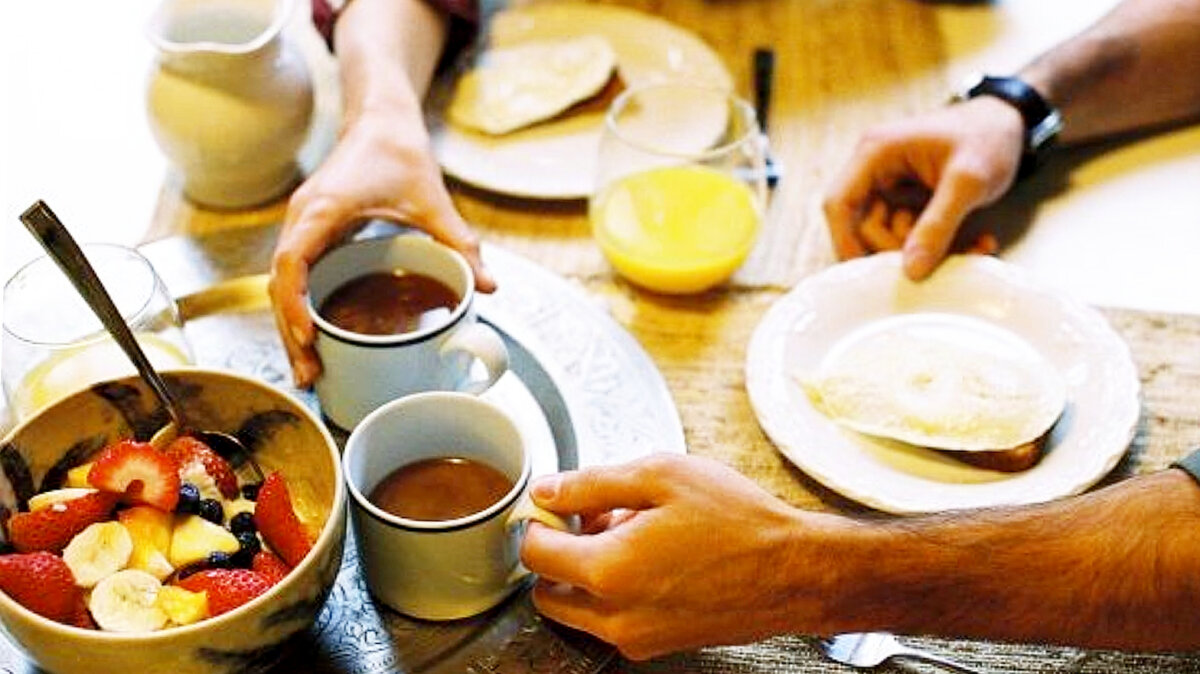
pixel 868 650
pixel 58 242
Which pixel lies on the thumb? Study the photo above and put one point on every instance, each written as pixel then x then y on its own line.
pixel 592 491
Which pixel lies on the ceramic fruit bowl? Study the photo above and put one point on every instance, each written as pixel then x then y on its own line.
pixel 282 435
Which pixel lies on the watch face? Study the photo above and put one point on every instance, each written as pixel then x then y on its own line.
pixel 1045 132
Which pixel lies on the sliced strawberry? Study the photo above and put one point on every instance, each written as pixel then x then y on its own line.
pixel 270 566
pixel 42 583
pixel 277 521
pixel 227 589
pixel 187 449
pixel 52 528
pixel 139 472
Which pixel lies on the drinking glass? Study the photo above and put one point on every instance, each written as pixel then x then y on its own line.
pixel 680 186
pixel 54 345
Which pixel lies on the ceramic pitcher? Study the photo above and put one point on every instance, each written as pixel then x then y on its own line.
pixel 229 98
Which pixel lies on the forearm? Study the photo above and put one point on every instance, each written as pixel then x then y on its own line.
pixel 1117 568
pixel 1137 67
pixel 387 51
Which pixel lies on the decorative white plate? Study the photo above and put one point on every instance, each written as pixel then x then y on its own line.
pixel 556 159
pixel 1103 390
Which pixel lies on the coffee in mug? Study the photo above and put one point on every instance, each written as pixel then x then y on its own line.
pixel 390 303
pixel 442 488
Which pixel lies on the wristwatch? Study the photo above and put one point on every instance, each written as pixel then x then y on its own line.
pixel 1042 121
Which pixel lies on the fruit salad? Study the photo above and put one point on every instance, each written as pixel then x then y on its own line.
pixel 143 539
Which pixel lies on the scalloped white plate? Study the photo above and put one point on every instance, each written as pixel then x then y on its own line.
pixel 556 159
pixel 1103 390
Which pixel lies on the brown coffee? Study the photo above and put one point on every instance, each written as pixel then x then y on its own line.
pixel 389 303
pixel 440 489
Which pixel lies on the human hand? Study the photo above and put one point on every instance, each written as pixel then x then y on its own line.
pixel 910 184
pixel 676 552
pixel 377 170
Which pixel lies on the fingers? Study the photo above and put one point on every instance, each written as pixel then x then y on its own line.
pixel 607 497
pixel 876 228
pixel 568 605
pixel 288 285
pixel 956 196
pixel 312 227
pixel 446 225
pixel 845 205
pixel 458 235
pixel 559 556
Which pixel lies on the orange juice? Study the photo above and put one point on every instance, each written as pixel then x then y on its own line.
pixel 75 368
pixel 680 229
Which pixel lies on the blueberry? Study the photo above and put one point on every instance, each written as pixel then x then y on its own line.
pixel 241 560
pixel 189 499
pixel 248 547
pixel 211 510
pixel 219 560
pixel 242 522
pixel 250 490
pixel 189 569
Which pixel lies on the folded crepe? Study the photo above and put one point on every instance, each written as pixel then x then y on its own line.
pixel 940 381
pixel 518 86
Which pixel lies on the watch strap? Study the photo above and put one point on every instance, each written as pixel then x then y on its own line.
pixel 1041 120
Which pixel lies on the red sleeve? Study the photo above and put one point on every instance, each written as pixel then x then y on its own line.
pixel 324 16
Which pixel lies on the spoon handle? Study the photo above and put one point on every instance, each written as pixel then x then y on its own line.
pixel 58 242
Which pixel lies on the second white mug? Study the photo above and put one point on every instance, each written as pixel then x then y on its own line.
pixel 360 371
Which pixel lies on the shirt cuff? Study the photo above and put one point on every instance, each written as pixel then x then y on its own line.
pixel 325 13
pixel 1190 464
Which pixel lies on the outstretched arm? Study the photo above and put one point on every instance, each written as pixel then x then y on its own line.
pixel 682 552
pixel 910 184
pixel 381 167
pixel 1137 67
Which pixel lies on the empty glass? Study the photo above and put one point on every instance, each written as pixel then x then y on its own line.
pixel 54 345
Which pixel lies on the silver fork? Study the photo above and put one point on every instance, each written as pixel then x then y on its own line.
pixel 871 649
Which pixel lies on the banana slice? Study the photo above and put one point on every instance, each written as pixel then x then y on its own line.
pixel 45 499
pixel 97 552
pixel 126 601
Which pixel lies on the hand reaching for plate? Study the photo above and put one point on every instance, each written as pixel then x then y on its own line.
pixel 910 184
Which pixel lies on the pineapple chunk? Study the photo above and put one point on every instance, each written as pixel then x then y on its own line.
pixel 77 476
pixel 183 607
pixel 150 529
pixel 194 537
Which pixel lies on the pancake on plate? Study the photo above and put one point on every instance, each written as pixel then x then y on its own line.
pixel 946 382
pixel 515 87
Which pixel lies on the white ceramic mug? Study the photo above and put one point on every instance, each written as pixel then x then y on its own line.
pixel 361 372
pixel 446 569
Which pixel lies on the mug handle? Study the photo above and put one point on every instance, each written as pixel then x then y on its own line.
pixel 526 511
pixel 477 341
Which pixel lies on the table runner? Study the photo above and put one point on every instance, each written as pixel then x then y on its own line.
pixel 706 375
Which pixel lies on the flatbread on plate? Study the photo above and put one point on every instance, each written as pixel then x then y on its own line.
pixel 942 381
pixel 517 86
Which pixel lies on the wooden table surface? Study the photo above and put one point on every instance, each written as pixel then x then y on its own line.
pixel 76 135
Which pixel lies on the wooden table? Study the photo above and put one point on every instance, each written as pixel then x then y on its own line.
pixel 79 140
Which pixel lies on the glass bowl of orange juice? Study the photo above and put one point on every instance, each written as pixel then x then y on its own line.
pixel 680 186
pixel 54 345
